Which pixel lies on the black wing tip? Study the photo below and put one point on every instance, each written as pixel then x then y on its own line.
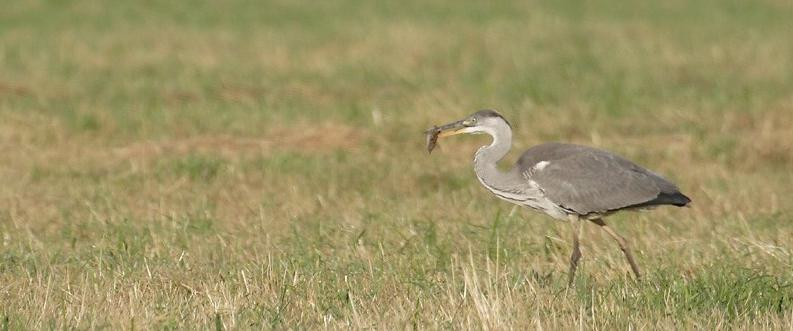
pixel 683 200
pixel 676 199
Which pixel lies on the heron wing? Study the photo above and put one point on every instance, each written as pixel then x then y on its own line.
pixel 588 180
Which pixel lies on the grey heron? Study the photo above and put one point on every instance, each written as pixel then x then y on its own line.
pixel 568 182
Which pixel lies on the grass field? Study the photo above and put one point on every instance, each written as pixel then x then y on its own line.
pixel 243 164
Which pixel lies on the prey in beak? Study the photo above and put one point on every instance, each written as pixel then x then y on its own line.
pixel 444 131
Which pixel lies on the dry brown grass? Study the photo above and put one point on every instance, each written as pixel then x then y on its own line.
pixel 261 166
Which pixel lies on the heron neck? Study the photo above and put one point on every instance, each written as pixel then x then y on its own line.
pixel 487 157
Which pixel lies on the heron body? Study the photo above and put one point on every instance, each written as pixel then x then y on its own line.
pixel 565 181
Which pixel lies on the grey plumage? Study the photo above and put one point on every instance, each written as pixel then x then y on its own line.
pixel 565 181
pixel 589 181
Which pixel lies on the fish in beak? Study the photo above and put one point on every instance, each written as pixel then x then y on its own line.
pixel 444 131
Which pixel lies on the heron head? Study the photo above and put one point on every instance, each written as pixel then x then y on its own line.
pixel 483 121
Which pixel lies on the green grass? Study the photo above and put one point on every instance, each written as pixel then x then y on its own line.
pixel 244 164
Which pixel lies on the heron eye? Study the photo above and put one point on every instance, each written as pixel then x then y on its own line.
pixel 473 120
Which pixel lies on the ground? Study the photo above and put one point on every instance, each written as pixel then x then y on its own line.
pixel 243 164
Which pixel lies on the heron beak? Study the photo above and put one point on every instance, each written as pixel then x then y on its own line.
pixel 451 129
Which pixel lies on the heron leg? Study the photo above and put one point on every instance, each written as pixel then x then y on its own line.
pixel 623 246
pixel 575 223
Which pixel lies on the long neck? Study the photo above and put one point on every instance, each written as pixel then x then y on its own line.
pixel 487 157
